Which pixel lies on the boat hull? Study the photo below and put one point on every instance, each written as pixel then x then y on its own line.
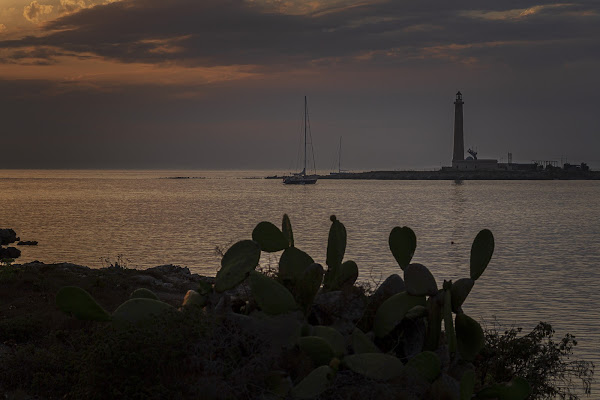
pixel 299 180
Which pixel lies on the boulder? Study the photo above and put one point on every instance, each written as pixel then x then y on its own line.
pixel 27 243
pixel 9 252
pixel 8 236
pixel 169 269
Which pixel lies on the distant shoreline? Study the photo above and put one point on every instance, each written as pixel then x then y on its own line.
pixel 463 175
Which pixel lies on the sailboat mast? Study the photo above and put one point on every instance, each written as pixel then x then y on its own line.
pixel 340 157
pixel 305 111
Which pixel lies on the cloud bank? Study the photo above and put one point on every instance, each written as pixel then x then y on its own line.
pixel 269 35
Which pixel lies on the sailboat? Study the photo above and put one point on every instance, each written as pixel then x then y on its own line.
pixel 301 178
pixel 340 170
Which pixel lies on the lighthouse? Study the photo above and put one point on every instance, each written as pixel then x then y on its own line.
pixel 458 156
pixel 459 142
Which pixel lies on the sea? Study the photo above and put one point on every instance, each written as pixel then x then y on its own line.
pixel 546 264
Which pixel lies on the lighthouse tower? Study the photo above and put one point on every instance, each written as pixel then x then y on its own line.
pixel 459 142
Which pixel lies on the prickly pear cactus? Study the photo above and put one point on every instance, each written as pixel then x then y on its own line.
pixel 308 285
pixel 271 296
pixel 317 348
pixel 419 281
pixel 286 228
pixel 393 310
pixel 269 237
pixel 348 273
pixel 377 366
pixel 292 264
pixel 481 253
pixel 427 364
pixel 336 247
pixel 469 336
pixel 362 344
pixel 336 243
pixel 139 310
pixel 335 339
pixel 467 385
pixel 236 264
pixel 448 323
pixel 403 243
pixel 435 316
pixel 76 301
pixel 459 292
pixel 314 383
pixel 143 293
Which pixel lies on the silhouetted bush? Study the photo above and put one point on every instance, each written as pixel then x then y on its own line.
pixel 546 364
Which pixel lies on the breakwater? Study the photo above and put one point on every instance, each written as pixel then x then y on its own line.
pixel 463 175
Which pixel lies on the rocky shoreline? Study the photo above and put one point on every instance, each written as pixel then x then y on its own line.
pixel 112 285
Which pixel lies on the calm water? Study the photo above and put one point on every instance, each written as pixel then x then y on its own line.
pixel 545 268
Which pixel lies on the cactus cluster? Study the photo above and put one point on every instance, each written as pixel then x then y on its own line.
pixel 399 334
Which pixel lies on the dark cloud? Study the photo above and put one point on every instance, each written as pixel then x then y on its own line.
pixel 236 32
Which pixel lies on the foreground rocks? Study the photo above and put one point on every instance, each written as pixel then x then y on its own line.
pixel 8 236
pixel 31 287
pixel 9 252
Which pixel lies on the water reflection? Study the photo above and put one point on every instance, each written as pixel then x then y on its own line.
pixel 547 235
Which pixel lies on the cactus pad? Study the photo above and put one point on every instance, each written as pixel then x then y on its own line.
pixel 74 300
pixel 469 336
pixel 362 344
pixel 393 310
pixel 377 366
pixel 271 296
pixel 143 293
pixel 336 243
pixel 467 385
pixel 314 383
pixel 403 243
pixel 419 281
pixel 481 253
pixel 238 261
pixel 335 339
pixel 308 285
pixel 460 290
pixel 286 229
pixel 138 310
pixel 269 237
pixel 292 264
pixel 427 364
pixel 317 348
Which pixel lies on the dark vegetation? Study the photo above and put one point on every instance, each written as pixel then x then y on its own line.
pixel 294 331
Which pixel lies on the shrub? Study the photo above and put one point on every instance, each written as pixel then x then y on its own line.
pixel 546 364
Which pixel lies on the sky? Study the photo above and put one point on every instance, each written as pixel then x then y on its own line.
pixel 220 84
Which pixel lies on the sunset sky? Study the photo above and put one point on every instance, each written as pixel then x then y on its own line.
pixel 220 83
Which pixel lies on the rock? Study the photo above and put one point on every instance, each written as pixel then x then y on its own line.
pixel 9 252
pixel 8 236
pixel 341 309
pixel 146 280
pixel 169 269
pixel 27 243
